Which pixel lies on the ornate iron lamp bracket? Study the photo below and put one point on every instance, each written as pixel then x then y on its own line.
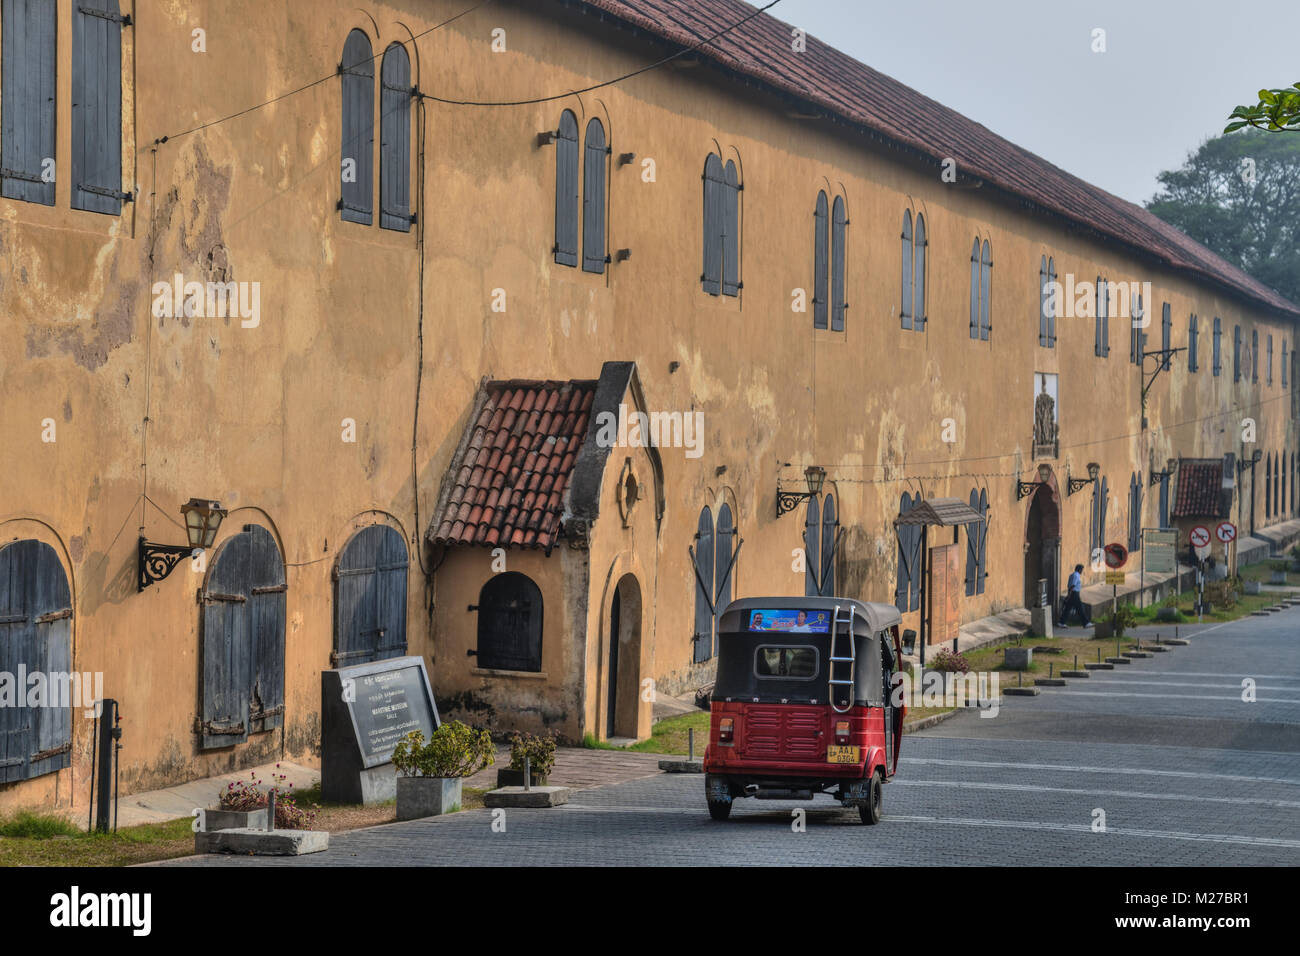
pixel 156 561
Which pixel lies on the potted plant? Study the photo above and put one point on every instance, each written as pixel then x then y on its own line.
pixel 540 751
pixel 243 804
pixel 1116 623
pixel 1279 571
pixel 429 773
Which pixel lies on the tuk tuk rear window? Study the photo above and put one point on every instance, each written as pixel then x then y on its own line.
pixel 788 663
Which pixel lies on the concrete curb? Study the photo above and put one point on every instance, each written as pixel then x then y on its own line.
pixel 926 723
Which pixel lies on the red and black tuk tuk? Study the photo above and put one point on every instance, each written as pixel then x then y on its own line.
pixel 801 703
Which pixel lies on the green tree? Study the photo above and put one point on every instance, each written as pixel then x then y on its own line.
pixel 1239 195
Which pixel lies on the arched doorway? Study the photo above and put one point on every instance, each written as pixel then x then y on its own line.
pixel 623 660
pixel 1043 546
pixel 370 598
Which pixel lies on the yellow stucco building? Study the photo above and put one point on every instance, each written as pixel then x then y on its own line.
pixel 441 300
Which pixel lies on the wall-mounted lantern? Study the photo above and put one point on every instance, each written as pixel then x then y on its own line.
pixel 1026 488
pixel 1078 484
pixel 156 561
pixel 1171 466
pixel 815 475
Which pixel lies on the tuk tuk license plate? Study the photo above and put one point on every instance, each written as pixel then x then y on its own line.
pixel 842 754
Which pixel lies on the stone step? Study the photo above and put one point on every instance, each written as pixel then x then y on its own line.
pixel 1075 674
pixel 1020 691
pixel 1095 666
pixel 1179 642
pixel 1118 660
pixel 1049 682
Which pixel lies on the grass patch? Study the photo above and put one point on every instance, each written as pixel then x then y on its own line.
pixel 669 736
pixel 28 839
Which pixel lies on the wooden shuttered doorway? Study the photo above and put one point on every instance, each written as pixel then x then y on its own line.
pixel 242 678
pixel 28 53
pixel 370 598
pixel 97 106
pixel 35 636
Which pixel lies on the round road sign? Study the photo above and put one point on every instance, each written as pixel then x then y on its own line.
pixel 1116 555
pixel 1200 537
pixel 1226 531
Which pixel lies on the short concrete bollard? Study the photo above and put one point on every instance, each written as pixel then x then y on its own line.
pixel 1019 658
pixel 535 798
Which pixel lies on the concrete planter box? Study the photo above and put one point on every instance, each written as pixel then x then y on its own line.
pixel 1251 587
pixel 234 819
pixel 1279 577
pixel 1103 629
pixel 1019 658
pixel 427 796
pixel 506 777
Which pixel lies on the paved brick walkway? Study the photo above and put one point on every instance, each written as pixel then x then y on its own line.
pixel 580 768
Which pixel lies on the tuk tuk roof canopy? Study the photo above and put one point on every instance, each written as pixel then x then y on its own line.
pixel 940 511
pixel 878 616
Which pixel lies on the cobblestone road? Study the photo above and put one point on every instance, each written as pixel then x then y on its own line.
pixel 1184 770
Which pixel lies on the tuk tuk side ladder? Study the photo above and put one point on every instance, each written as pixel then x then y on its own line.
pixel 839 659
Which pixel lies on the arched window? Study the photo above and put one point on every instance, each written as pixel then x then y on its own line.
pixel 27 98
pixel 1193 346
pixel 731 231
pixel 243 605
pixel 510 623
pixel 594 172
pixel 702 556
pixel 839 224
pixel 715 188
pixel 812 536
pixel 35 638
pixel 96 106
pixel 357 72
pixel 821 262
pixel 395 140
pixel 566 190
pixel 370 598
pixel 906 311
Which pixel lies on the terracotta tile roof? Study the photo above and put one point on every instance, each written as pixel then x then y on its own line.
pixel 1200 485
pixel 510 473
pixel 823 76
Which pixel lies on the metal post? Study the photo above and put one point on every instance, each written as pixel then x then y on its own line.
pixel 270 811
pixel 107 735
pixel 528 773
pixel 690 743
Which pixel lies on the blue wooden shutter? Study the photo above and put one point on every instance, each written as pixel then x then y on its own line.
pixel 1193 345
pixel 97 107
pixel 731 232
pixel 1166 333
pixel 1133 515
pixel 395 140
pixel 1217 344
pixel 1254 355
pixel 917 562
pixel 905 312
pixel 812 533
pixel 1053 302
pixel 1042 303
pixel 704 558
pixel 370 598
pixel 1284 366
pixel 226 653
pixel 821 257
pixel 903 587
pixel 1268 369
pixel 566 190
pixel 984 543
pixel 266 614
pixel 1164 501
pixel 35 634
pixel 918 274
pixel 830 527
pixel 839 220
pixel 1103 505
pixel 723 547
pixel 972 546
pixel 356 202
pixel 595 166
pixel 28 53
pixel 714 186
pixel 1236 353
pixel 975 289
pixel 986 282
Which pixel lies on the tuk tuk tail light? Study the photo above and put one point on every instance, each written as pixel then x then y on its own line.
pixel 841 731
pixel 726 730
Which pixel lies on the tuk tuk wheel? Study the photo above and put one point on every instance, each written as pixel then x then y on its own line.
pixel 719 809
pixel 871 810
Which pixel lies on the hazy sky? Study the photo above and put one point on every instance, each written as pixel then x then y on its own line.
pixel 1171 73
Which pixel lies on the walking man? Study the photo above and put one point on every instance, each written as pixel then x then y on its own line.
pixel 1073 601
